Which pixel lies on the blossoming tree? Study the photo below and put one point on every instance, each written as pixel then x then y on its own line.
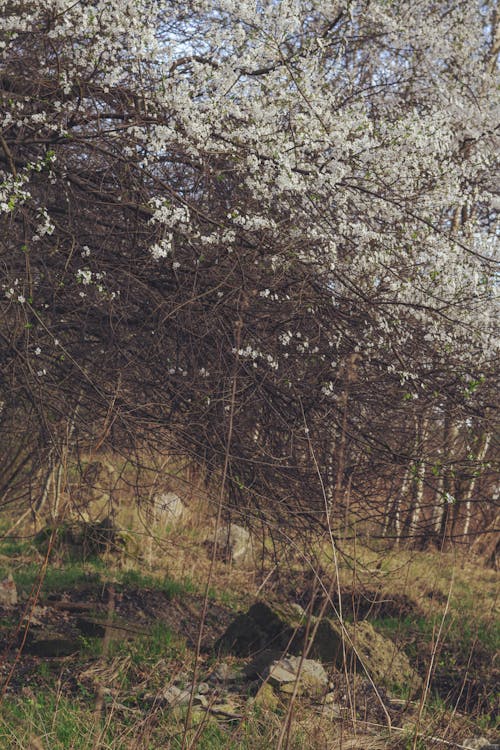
pixel 266 230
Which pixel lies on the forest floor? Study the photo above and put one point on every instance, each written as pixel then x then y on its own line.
pixel 100 652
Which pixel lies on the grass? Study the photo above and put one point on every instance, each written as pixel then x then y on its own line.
pixel 464 672
pixel 15 546
pixel 46 720
pixel 170 587
pixel 62 576
pixel 159 643
pixel 56 716
pixel 56 578
pixel 52 722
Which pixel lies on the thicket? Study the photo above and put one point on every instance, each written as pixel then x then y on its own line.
pixel 263 236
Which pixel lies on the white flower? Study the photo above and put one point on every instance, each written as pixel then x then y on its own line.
pixel 162 249
pixel 84 276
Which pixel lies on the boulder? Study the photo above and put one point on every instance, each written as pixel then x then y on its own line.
pixel 8 592
pixel 266 632
pixel 306 676
pixel 261 629
pixel 227 673
pixel 169 508
pixel 235 544
pixel 174 696
pixel 364 647
pixel 266 698
pixel 80 539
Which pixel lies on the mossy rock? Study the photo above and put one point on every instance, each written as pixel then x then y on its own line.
pixel 365 648
pixel 267 629
pixel 81 539
pixel 266 698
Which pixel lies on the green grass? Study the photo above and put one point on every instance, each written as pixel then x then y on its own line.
pixel 148 649
pixel 54 721
pixel 229 599
pixel 15 546
pixel 56 578
pixel 461 630
pixel 171 588
pixel 145 664
pixel 466 652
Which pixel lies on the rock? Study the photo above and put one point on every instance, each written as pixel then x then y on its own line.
pixel 256 631
pixel 202 689
pixel 226 673
pixel 169 508
pixel 258 667
pixel 174 696
pixel 243 637
pixel 308 674
pixel 332 710
pixel 266 697
pixel 480 743
pixel 8 592
pixel 201 700
pixel 386 664
pixel 265 632
pixel 235 544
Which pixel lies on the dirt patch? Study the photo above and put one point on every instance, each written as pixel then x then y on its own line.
pixel 61 624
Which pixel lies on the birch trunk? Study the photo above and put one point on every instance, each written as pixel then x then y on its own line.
pixel 467 499
pixel 415 510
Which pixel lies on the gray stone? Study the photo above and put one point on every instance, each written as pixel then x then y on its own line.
pixel 201 700
pixel 480 743
pixel 169 508
pixel 235 543
pixel 385 662
pixel 264 630
pixel 225 673
pixel 8 592
pixel 174 696
pixel 333 711
pixel 201 689
pixel 256 631
pixel 309 675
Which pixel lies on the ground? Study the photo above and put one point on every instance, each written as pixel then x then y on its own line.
pixel 90 658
